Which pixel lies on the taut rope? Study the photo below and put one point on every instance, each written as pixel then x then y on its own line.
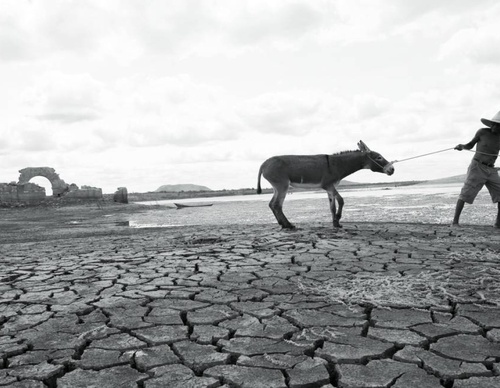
pixel 482 153
pixel 420 156
pixel 436 152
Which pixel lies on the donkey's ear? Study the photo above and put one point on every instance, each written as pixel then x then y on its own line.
pixel 363 147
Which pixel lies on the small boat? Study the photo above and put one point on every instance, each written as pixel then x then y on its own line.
pixel 184 205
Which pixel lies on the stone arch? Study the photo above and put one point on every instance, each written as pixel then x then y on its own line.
pixel 59 187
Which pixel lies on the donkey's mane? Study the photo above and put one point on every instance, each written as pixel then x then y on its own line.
pixel 345 152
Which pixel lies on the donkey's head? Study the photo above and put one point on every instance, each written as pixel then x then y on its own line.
pixel 375 161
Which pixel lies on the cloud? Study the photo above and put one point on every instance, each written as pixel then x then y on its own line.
pixel 281 113
pixel 32 30
pixel 94 29
pixel 74 25
pixel 127 30
pixel 169 110
pixel 477 44
pixel 27 134
pixel 14 41
pixel 208 28
pixel 65 98
pixel 308 112
pixel 370 106
pixel 382 20
pixel 77 111
pixel 18 40
pixel 295 113
pixel 278 24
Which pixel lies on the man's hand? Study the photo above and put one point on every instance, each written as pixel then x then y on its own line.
pixel 460 147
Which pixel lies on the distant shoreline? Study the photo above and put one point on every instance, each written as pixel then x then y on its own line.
pixel 344 185
pixel 166 195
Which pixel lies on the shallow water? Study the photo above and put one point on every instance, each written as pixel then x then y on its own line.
pixel 419 204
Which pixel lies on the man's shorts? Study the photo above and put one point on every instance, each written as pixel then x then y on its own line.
pixel 479 175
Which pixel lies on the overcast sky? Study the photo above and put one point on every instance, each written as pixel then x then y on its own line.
pixel 138 93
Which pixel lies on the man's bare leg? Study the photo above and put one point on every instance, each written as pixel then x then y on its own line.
pixel 460 207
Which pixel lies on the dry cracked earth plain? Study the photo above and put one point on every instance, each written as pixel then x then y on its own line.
pixel 400 305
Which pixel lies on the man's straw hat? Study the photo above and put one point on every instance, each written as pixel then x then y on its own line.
pixel 494 120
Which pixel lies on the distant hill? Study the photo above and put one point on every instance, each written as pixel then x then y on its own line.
pixel 344 182
pixel 450 179
pixel 182 187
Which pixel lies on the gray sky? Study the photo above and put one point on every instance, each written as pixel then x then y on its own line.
pixel 139 93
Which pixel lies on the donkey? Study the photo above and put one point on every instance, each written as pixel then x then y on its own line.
pixel 317 171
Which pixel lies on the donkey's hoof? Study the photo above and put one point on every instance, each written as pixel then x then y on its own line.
pixel 289 227
pixel 336 225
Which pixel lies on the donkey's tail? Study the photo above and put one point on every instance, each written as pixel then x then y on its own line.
pixel 259 190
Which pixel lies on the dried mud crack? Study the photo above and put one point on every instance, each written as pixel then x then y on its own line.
pixel 372 305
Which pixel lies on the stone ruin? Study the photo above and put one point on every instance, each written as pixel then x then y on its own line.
pixel 25 192
pixel 21 193
pixel 59 187
pixel 121 195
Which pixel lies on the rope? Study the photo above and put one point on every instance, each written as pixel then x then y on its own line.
pixel 420 156
pixel 436 152
pixel 482 153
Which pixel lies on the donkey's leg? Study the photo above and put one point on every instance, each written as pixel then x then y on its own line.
pixel 276 206
pixel 272 205
pixel 340 200
pixel 331 199
pixel 336 215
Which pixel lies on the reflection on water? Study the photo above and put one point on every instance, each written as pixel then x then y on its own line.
pixel 419 203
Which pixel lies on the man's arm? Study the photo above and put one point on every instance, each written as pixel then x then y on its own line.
pixel 470 144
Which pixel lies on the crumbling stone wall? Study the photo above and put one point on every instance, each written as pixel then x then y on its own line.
pixel 26 193
pixel 85 192
pixel 59 187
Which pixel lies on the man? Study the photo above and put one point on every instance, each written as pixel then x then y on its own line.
pixel 481 169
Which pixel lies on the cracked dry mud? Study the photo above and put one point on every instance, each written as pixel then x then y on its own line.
pixel 246 306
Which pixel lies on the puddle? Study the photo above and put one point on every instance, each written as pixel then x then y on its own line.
pixel 141 225
pixel 115 223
